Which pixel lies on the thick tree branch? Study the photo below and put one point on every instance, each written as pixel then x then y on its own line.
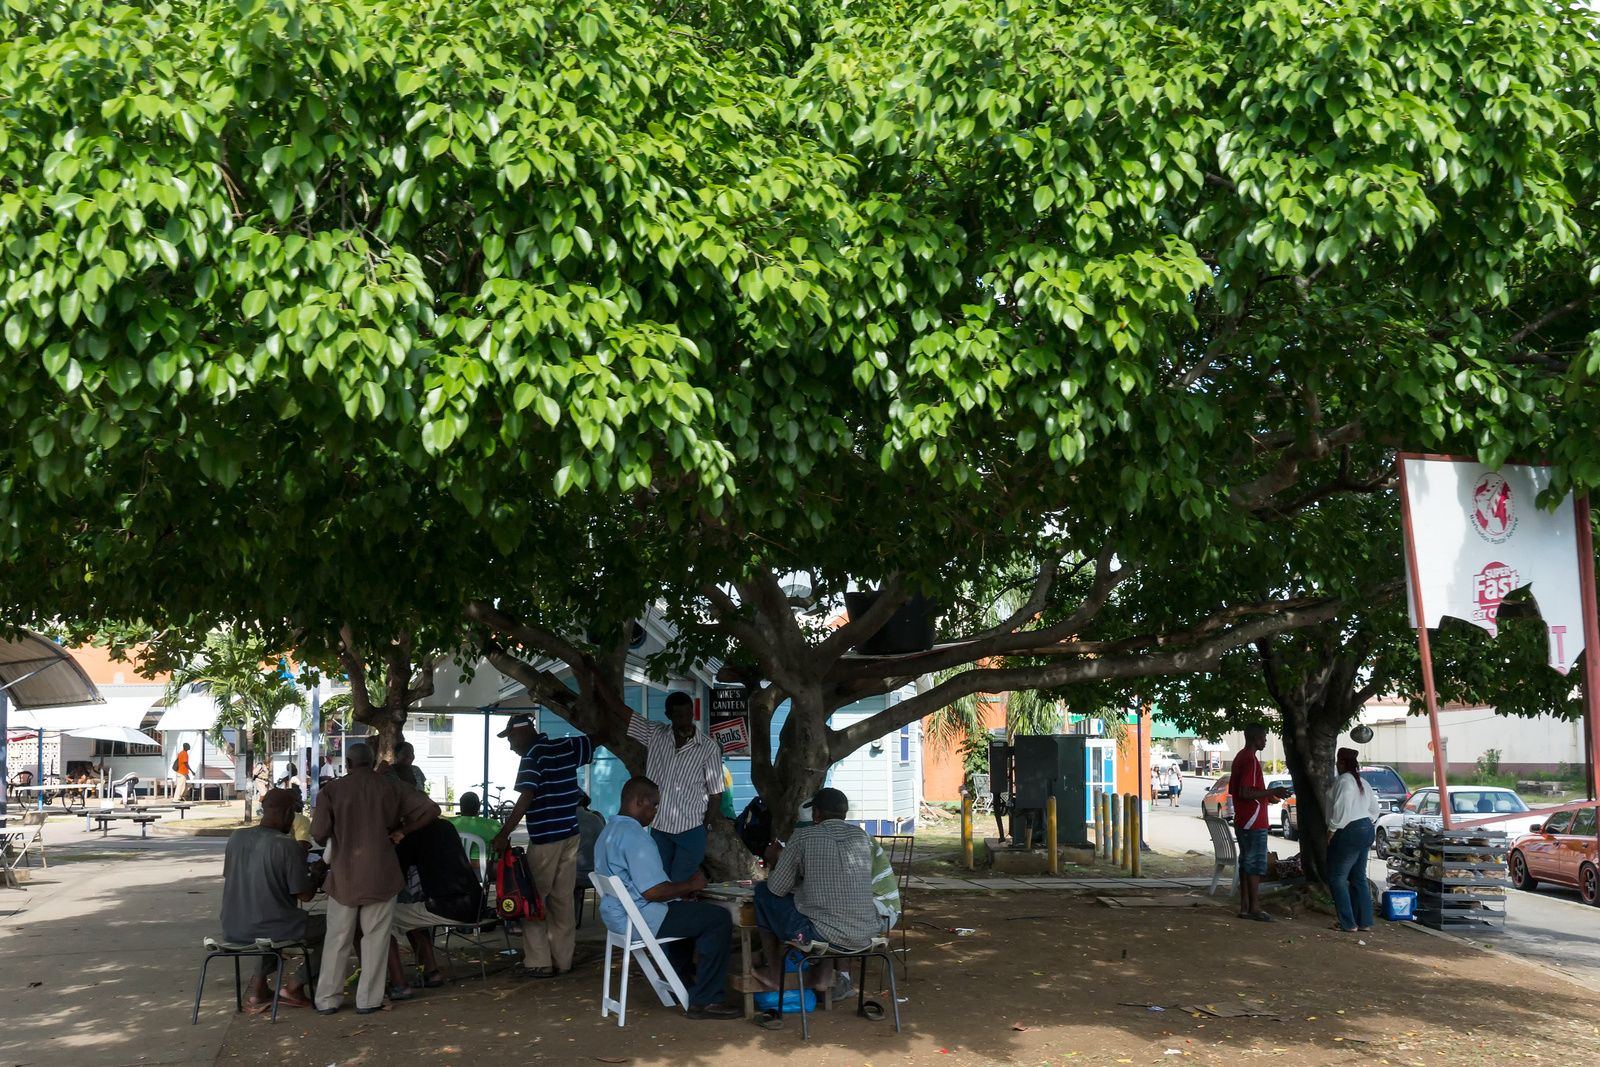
pixel 1257 494
pixel 1198 656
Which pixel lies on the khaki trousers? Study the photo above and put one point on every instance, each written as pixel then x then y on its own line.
pixel 554 869
pixel 374 921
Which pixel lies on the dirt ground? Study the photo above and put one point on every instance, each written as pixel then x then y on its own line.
pixel 1050 979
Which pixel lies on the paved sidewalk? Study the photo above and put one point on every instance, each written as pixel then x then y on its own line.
pixel 99 954
pixel 919 882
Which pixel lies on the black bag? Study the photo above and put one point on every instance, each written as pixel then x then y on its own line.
pixel 754 827
pixel 450 885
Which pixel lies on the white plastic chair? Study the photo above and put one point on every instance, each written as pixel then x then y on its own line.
pixel 653 962
pixel 1227 854
pixel 473 841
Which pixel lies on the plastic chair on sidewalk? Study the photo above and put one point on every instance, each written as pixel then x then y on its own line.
pixel 636 938
pixel 1227 855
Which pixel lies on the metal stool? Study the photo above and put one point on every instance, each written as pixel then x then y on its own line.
pixel 240 950
pixel 804 956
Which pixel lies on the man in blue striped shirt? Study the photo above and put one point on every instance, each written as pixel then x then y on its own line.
pixel 547 784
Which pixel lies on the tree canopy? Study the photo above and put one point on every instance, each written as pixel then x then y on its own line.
pixel 333 319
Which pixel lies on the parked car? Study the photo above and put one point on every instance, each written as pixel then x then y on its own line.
pixel 1392 797
pixel 1216 802
pixel 1467 802
pixel 1561 850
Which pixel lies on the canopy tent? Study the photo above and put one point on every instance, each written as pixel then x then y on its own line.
pixel 115 710
pixel 35 672
pixel 200 711
pixel 126 734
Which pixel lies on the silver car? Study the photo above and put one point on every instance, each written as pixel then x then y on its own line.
pixel 1468 803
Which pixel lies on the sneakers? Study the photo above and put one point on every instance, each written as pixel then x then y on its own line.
pixel 843 987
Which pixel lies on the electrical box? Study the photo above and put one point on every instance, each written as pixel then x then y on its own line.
pixel 1050 765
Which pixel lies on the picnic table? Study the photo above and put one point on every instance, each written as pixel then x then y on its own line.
pixel 106 818
pixel 739 899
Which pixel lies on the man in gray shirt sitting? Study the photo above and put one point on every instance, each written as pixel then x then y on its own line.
pixel 820 891
pixel 264 877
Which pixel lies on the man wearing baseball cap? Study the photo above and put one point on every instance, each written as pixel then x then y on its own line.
pixel 819 891
pixel 547 784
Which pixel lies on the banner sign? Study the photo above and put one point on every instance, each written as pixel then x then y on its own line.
pixel 730 721
pixel 1479 536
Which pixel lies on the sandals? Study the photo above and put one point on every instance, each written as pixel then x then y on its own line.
pixel 401 992
pixel 433 980
pixel 771 1019
pixel 385 1006
pixel 871 1011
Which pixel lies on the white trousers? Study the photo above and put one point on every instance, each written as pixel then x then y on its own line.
pixel 374 921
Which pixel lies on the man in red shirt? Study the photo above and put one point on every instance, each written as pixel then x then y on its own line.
pixel 1248 789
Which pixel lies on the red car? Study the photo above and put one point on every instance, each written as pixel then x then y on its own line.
pixel 1563 850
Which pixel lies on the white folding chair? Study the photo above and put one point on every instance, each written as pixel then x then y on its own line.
pixel 471 842
pixel 653 962
pixel 1227 854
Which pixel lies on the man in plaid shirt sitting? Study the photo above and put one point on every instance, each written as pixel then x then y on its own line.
pixel 820 891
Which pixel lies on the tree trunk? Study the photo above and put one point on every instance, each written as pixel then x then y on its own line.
pixel 388 731
pixel 1309 742
pixel 1315 704
pixel 727 860
pixel 801 766
pixel 248 737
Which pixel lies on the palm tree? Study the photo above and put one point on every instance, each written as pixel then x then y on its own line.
pixel 239 673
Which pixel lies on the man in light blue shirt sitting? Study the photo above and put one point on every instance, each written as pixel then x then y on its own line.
pixel 625 851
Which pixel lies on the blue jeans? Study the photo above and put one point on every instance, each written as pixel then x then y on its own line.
pixel 681 854
pixel 1347 873
pixel 1252 850
pixel 706 930
pixel 780 915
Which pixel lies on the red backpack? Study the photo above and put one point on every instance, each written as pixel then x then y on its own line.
pixel 518 900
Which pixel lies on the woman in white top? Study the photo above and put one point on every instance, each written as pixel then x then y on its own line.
pixel 1352 817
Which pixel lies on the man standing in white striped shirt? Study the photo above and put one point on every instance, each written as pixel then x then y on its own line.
pixel 687 766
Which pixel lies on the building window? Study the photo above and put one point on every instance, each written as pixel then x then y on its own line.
pixel 905 743
pixel 282 741
pixel 122 748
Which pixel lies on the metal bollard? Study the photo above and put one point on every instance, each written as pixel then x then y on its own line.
pixel 1116 831
pixel 1050 835
pixel 1130 806
pixel 966 832
pixel 1136 837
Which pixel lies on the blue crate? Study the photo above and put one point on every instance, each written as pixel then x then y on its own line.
pixel 1399 905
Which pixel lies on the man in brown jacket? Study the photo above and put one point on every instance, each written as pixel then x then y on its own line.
pixel 365 815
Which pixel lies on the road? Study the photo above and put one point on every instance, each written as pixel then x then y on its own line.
pixel 1550 926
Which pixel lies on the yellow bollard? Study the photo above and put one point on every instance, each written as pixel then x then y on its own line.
pixel 1050 835
pixel 1100 826
pixel 1136 836
pixel 1130 844
pixel 1116 831
pixel 966 832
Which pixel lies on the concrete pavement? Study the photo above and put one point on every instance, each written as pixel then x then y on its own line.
pixel 99 954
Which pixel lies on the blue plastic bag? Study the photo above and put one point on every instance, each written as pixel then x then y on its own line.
pixel 791 1000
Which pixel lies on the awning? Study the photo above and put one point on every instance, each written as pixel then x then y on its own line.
pixel 198 711
pixel 116 710
pixel 38 673
pixel 125 734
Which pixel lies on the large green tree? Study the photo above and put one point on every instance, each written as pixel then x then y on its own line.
pixel 425 301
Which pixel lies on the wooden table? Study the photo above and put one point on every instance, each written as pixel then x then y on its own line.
pixel 739 899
